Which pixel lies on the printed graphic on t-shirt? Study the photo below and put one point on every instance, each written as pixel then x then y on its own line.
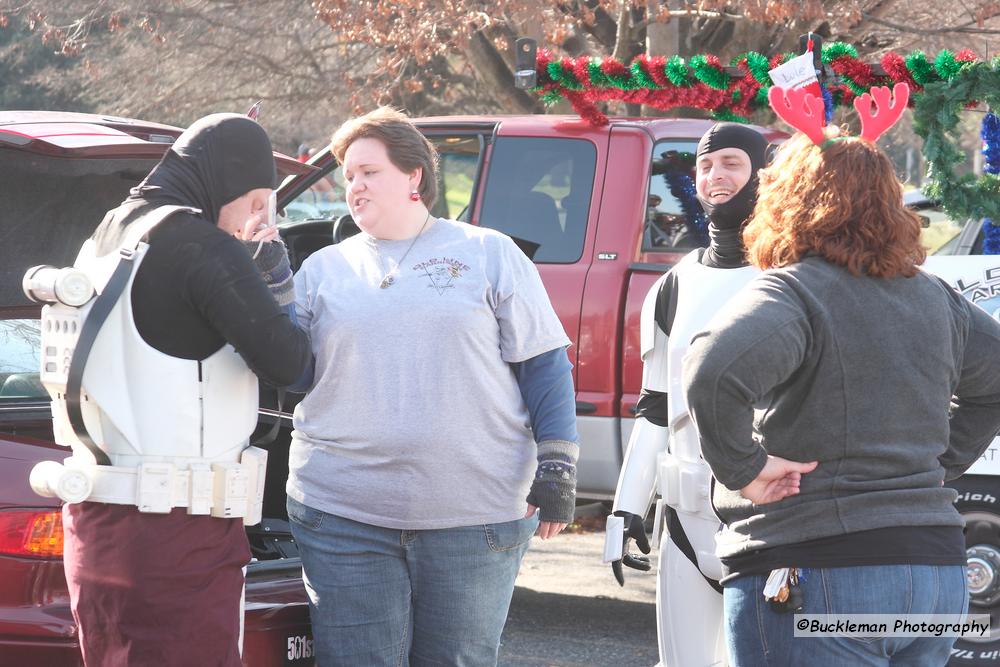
pixel 441 272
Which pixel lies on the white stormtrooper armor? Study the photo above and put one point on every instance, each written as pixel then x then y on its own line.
pixel 161 432
pixel 668 460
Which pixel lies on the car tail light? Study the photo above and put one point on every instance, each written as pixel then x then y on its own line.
pixel 31 533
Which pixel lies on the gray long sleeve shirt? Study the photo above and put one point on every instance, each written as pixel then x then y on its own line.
pixel 893 385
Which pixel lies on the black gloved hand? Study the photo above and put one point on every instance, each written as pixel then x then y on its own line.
pixel 554 490
pixel 634 530
pixel 271 258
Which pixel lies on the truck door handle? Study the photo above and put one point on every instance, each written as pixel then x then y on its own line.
pixel 584 408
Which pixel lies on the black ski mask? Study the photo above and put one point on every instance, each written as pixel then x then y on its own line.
pixel 218 159
pixel 726 220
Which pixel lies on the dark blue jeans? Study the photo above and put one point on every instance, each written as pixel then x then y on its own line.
pixel 379 596
pixel 759 636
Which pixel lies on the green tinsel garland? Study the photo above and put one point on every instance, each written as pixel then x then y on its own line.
pixel 758 66
pixel 712 77
pixel 946 66
pixel 835 50
pixel 564 78
pixel 922 71
pixel 640 75
pixel 729 116
pixel 677 71
pixel 597 78
pixel 551 97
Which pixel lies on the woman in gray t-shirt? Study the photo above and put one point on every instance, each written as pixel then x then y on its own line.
pixel 438 433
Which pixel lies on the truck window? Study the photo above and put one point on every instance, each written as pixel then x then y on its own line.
pixel 538 192
pixel 674 218
pixel 939 232
pixel 458 157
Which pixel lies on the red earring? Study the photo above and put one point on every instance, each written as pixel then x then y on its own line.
pixel 414 196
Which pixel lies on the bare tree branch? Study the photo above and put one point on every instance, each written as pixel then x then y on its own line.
pixel 960 29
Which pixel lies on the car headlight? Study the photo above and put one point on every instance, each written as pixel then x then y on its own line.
pixel 47 284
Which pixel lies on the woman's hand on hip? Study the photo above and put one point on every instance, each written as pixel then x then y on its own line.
pixel 778 479
pixel 546 529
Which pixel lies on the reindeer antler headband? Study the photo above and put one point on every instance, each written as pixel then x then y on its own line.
pixel 804 111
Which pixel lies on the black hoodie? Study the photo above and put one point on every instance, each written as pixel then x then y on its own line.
pixel 197 288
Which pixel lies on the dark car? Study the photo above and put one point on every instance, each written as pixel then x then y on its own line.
pixel 59 174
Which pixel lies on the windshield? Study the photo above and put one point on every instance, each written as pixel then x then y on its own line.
pixel 51 205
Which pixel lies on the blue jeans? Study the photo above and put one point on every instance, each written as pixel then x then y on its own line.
pixel 758 635
pixel 379 596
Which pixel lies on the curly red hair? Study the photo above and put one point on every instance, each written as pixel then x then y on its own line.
pixel 842 202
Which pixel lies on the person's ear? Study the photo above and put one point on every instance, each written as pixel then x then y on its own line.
pixel 416 176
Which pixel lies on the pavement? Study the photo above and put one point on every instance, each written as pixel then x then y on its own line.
pixel 568 610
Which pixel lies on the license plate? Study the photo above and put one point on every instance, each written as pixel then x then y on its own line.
pixel 299 650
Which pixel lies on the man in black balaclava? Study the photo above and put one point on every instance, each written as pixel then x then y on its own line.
pixel 664 448
pixel 726 164
pixel 209 308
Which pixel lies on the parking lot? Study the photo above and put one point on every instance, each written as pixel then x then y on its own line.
pixel 569 611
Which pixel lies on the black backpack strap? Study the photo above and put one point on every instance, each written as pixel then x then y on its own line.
pixel 680 538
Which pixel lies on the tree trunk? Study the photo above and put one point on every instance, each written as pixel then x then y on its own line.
pixel 624 48
pixel 622 33
pixel 485 58
pixel 662 39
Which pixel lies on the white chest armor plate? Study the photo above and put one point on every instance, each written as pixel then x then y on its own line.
pixel 176 420
pixel 701 293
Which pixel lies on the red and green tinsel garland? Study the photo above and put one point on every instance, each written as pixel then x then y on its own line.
pixel 733 93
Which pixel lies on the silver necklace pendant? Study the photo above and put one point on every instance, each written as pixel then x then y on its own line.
pixel 388 279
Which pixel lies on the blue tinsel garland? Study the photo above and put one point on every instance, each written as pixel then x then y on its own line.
pixel 827 103
pixel 991 151
pixel 682 187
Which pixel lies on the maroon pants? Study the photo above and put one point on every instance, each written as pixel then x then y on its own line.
pixel 154 589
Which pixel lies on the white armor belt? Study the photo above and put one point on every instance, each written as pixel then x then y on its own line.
pixel 216 488
pixel 686 485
